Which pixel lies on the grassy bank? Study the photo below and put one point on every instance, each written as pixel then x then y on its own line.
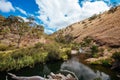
pixel 19 58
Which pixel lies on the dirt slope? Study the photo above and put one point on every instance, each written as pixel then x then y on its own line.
pixel 103 28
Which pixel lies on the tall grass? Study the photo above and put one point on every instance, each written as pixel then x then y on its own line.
pixel 19 58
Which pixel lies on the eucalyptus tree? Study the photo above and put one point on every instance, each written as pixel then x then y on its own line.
pixel 40 28
pixel 22 30
pixel 18 26
pixel 32 25
pixel 31 19
pixel 36 30
pixel 1 20
pixel 3 29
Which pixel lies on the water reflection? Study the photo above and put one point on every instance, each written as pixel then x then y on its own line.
pixel 46 70
pixel 83 72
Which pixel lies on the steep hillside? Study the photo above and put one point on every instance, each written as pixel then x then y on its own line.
pixel 14 32
pixel 103 28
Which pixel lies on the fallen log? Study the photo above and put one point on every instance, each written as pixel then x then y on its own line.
pixel 26 78
pixel 52 76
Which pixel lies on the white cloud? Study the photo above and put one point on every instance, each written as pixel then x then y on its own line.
pixel 57 14
pixel 48 31
pixel 24 18
pixel 6 6
pixel 21 10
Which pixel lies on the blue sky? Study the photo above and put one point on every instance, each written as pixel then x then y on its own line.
pixel 54 14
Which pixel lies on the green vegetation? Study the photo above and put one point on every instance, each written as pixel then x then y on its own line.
pixel 94 49
pixel 112 10
pixel 86 42
pixel 16 26
pixel 95 55
pixel 17 59
pixel 83 22
pixel 65 39
pixel 93 17
pixel 116 56
pixel 3 47
pixel 22 57
pixel 116 62
pixel 14 56
pixel 106 62
pixel 53 52
pixel 103 62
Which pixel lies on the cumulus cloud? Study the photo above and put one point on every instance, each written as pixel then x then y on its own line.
pixel 21 10
pixel 6 6
pixel 57 14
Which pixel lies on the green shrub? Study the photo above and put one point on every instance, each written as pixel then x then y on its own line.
pixel 94 49
pixel 53 55
pixel 106 62
pixel 20 58
pixel 18 54
pixel 53 51
pixel 86 42
pixel 75 47
pixel 116 56
pixel 3 47
pixel 95 62
pixel 93 17
pixel 68 38
pixel 96 55
pixel 112 10
pixel 38 45
pixel 83 44
pixel 68 53
pixel 83 22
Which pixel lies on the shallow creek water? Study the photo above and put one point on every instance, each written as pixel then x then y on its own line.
pixel 82 71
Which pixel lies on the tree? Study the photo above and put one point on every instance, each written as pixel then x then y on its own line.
pixel 36 29
pixel 19 26
pixel 68 38
pixel 113 7
pixel 22 29
pixel 31 19
pixel 5 31
pixel 40 28
pixel 1 20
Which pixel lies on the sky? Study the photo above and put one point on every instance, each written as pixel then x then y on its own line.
pixel 54 14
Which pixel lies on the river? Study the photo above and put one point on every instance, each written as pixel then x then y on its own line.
pixel 82 71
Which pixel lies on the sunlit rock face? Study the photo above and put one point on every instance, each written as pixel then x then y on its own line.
pixel 83 72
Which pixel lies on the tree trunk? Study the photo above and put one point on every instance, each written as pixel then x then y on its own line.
pixel 19 41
